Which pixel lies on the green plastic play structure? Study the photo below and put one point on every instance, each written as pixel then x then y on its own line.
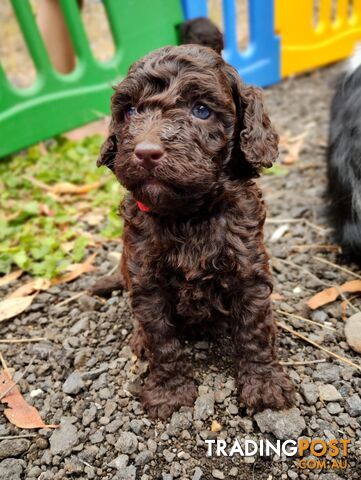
pixel 55 102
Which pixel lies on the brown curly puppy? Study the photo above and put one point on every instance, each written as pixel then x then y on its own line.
pixel 187 138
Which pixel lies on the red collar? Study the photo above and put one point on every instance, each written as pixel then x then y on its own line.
pixel 142 207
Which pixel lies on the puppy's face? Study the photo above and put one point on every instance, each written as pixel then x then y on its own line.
pixel 177 124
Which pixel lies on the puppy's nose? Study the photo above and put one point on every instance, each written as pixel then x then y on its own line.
pixel 148 154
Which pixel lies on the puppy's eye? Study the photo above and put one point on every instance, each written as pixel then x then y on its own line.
pixel 202 112
pixel 130 111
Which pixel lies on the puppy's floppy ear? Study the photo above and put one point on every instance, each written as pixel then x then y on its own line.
pixel 258 140
pixel 108 151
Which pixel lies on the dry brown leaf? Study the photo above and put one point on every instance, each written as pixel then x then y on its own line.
pixel 354 286
pixel 19 412
pixel 70 188
pixel 31 287
pixel 344 306
pixel 93 219
pixel 292 146
pixel 74 271
pixel 68 246
pixel 10 277
pixel 324 297
pixel 294 149
pixel 332 293
pixel 64 188
pixel 11 307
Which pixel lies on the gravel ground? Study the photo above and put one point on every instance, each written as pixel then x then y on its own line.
pixel 85 377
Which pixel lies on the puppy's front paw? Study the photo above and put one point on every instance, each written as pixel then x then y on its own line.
pixel 161 400
pixel 266 387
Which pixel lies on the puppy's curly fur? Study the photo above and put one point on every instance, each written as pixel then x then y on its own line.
pixel 197 258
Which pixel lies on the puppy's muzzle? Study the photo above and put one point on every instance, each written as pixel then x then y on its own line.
pixel 148 154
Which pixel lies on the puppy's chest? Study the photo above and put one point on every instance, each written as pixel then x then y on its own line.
pixel 200 276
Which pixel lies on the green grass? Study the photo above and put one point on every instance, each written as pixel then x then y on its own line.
pixel 41 233
pixel 276 170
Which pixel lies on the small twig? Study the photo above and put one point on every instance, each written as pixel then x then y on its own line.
pixel 113 270
pixel 5 367
pixel 303 337
pixel 18 380
pixel 70 299
pixel 11 437
pixel 42 186
pixel 321 230
pixel 85 463
pixel 316 246
pixel 331 264
pixel 304 362
pixel 282 312
pixel 277 221
pixel 38 183
pixel 23 340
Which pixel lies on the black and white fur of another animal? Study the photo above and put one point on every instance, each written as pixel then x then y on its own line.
pixel 344 159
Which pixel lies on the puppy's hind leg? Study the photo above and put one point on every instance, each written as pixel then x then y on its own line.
pixel 105 286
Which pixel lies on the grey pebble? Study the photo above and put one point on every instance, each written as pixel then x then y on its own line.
pixel 326 373
pixel 204 406
pixel 329 393
pixel 127 443
pixel 73 384
pixel 246 424
pixel 128 473
pixel 310 392
pixel 89 415
pixel 119 462
pixel 11 469
pixel 93 374
pixel 80 326
pixel 143 458
pixel 292 475
pixel 283 424
pixel 218 474
pixel 88 303
pixel 221 395
pixel 168 455
pixel 353 332
pixel 179 421
pixel 319 316
pixel 197 475
pixel 334 408
pixel 152 445
pixel 63 438
pixel 13 447
pixel 97 437
pixel 136 426
pixel 353 405
pixel 105 393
